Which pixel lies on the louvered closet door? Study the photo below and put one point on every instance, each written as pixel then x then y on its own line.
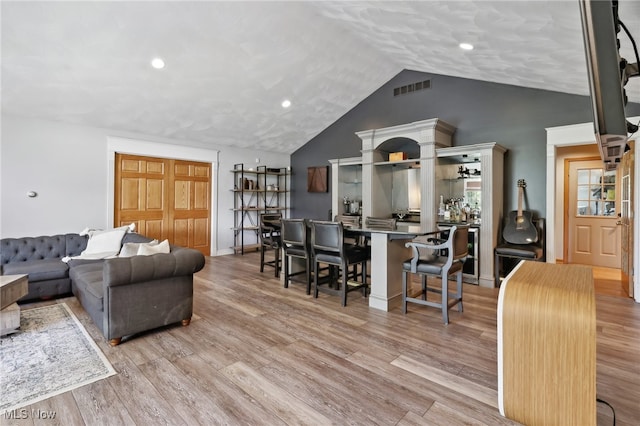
pixel 165 198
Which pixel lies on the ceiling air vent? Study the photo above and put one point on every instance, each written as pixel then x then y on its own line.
pixel 413 87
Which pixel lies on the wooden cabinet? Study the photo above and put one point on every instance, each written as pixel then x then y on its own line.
pixel 256 191
pixel 488 159
pixel 427 144
pixel 346 185
pixel 419 141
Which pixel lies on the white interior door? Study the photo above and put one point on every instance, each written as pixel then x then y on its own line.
pixel 594 236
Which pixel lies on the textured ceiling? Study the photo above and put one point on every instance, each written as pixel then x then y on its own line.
pixel 230 64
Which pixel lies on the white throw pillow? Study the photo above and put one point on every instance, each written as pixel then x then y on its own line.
pixel 131 249
pixel 105 241
pixel 146 249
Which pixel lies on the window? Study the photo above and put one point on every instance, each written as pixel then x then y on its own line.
pixel 596 192
pixel 473 192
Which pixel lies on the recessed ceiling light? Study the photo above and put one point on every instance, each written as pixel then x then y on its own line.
pixel 466 46
pixel 157 63
pixel 286 103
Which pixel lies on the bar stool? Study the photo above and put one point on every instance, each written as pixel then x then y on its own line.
pixel 296 240
pixel 328 246
pixel 444 256
pixel 269 232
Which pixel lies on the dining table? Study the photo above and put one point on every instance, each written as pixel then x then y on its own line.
pixel 388 252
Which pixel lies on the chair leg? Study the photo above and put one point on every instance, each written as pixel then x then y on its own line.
pixel 276 262
pixel 345 286
pixel 496 269
pixel 445 298
pixel 364 278
pixel 423 280
pixel 459 292
pixel 261 258
pixel 308 273
pixel 286 270
pixel 404 291
pixel 315 279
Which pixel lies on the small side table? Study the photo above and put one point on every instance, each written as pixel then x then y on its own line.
pixel 12 288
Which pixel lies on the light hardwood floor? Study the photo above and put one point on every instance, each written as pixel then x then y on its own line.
pixel 256 353
pixel 609 281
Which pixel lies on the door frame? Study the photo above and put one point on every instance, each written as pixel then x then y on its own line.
pixel 574 135
pixel 163 150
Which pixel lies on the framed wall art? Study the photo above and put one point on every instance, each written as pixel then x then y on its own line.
pixel 317 179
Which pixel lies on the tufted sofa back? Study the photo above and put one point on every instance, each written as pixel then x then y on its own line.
pixel 75 244
pixel 38 248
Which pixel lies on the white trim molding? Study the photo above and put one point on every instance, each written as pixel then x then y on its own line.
pixel 429 135
pixel 574 135
pixel 163 150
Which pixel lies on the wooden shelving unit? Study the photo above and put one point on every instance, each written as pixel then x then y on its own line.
pixel 256 191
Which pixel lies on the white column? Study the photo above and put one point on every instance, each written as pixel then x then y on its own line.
pixel 386 271
pixel 428 214
pixel 492 201
pixel 367 170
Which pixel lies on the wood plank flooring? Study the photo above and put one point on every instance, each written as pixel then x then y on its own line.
pixel 609 281
pixel 258 354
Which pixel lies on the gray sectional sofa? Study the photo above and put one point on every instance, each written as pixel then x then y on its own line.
pixel 123 296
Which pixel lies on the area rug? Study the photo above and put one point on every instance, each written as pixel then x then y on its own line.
pixel 51 354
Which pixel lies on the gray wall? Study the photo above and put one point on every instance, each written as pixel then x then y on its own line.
pixel 515 117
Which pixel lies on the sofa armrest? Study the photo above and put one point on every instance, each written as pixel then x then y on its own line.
pixel 129 270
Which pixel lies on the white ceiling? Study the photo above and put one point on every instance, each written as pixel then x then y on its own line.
pixel 230 64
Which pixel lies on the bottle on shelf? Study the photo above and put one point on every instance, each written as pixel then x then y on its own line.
pixel 455 212
pixel 447 213
pixel 441 209
pixel 347 204
pixel 475 213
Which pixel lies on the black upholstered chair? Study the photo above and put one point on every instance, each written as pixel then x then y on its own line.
pixel 269 232
pixel 296 242
pixel 357 239
pixel 506 251
pixel 350 222
pixel 328 247
pixel 442 255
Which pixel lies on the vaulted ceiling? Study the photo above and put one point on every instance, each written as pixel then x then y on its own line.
pixel 229 65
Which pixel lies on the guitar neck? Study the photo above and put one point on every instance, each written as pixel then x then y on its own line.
pixel 520 195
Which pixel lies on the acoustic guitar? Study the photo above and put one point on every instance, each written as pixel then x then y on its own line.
pixel 519 228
